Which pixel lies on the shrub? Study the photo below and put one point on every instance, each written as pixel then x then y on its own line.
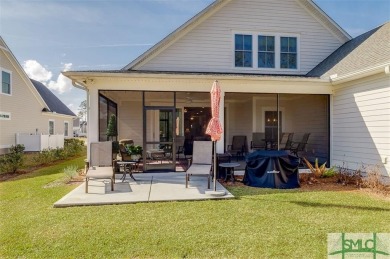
pixel 70 172
pixel 59 154
pixel 318 171
pixel 44 157
pixel 73 147
pixel 347 176
pixel 373 180
pixel 13 161
pixel 330 172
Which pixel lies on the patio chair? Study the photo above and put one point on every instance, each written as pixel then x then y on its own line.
pixel 238 147
pixel 179 145
pixel 297 147
pixel 201 161
pixel 258 140
pixel 286 141
pixel 100 164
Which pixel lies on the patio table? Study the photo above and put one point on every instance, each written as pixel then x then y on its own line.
pixel 127 168
pixel 229 170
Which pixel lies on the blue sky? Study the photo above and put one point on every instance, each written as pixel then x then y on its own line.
pixel 48 36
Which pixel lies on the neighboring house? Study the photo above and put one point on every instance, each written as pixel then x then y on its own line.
pixel 283 65
pixel 79 128
pixel 26 105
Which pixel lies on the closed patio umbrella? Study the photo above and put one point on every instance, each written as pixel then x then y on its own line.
pixel 214 128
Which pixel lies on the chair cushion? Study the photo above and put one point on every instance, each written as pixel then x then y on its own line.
pixel 100 172
pixel 199 169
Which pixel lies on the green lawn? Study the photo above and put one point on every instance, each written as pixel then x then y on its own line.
pixel 259 223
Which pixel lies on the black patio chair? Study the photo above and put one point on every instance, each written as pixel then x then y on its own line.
pixel 239 146
pixel 258 140
pixel 300 146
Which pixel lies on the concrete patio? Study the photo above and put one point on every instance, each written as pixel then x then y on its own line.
pixel 148 187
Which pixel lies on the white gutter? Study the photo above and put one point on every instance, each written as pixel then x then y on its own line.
pixel 382 68
pixel 199 75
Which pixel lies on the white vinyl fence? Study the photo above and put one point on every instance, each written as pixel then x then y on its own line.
pixel 39 142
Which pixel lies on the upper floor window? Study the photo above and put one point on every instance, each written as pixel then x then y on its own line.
pixel 5 82
pixel 288 52
pixel 266 51
pixel 271 52
pixel 51 127
pixel 243 50
pixel 66 129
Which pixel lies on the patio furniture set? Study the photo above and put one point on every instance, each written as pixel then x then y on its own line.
pixel 101 163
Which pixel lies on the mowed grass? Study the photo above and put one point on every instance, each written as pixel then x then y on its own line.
pixel 259 223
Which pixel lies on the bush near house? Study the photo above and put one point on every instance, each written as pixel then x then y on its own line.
pixel 12 161
pixel 72 148
pixel 17 159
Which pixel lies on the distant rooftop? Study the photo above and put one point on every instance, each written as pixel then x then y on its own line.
pixel 54 104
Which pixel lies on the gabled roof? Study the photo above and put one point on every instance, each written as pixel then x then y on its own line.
pixel 54 104
pixel 367 50
pixel 309 5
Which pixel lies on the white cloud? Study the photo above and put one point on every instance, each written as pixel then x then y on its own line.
pixel 61 85
pixel 38 72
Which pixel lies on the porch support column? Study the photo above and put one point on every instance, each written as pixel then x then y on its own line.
pixel 93 117
pixel 221 142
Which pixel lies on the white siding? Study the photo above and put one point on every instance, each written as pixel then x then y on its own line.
pixel 239 121
pixel 130 121
pixel 361 123
pixel 25 109
pixel 209 47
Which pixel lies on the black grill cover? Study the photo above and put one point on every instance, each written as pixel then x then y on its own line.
pixel 261 166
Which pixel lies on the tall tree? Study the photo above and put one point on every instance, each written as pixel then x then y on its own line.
pixel 83 110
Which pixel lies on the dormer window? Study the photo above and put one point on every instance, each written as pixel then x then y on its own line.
pixel 243 50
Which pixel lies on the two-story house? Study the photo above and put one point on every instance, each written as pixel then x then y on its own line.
pixel 27 106
pixel 284 66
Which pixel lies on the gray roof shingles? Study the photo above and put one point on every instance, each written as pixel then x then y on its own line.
pixel 367 50
pixel 54 104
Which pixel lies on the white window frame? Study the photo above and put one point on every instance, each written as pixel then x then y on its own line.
pixel 66 129
pixel 1 80
pixel 234 51
pixel 54 126
pixel 255 49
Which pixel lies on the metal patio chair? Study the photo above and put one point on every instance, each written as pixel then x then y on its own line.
pixel 201 161
pixel 258 140
pixel 297 147
pixel 100 164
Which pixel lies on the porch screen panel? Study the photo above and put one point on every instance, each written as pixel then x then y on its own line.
pixel 308 114
pixel 103 105
pixel 106 108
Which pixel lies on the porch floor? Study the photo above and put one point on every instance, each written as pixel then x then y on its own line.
pixel 148 187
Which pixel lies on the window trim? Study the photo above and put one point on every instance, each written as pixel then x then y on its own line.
pixel 67 127
pixel 54 126
pixel 255 61
pixel 10 79
pixel 243 50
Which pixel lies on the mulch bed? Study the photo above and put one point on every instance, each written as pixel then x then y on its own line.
pixel 322 184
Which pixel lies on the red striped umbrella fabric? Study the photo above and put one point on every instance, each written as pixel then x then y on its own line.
pixel 214 128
